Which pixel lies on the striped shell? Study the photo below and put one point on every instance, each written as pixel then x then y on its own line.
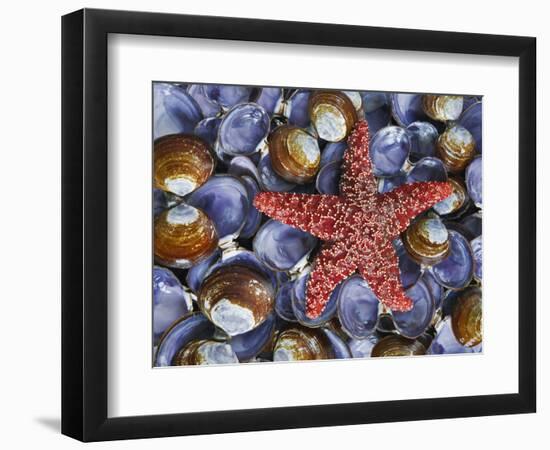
pixel 332 114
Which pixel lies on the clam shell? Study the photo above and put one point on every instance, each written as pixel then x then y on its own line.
pixel 296 109
pixel 435 288
pixel 457 202
pixel 243 130
pixel 302 344
pixel 333 151
pixel 174 110
pixel 295 154
pixel 362 348
pixel 205 352
pixel 159 202
pixel 282 247
pixel 207 129
pixel 208 107
pixel 197 273
pixel 191 327
pixel 395 345
pixel 466 318
pixel 427 240
pixel 423 137
pixel 283 302
pixel 271 100
pixel 407 108
pixel 183 235
pixel 471 120
pixel 409 269
pixel 413 323
pixel 332 114
pixel 389 150
pixel 236 298
pixel 377 110
pixel 340 349
pixel 455 271
pixel 456 148
pixel 388 184
pixel 472 225
pixel 357 308
pixel 477 249
pixel 254 217
pixel 182 163
pixel 427 169
pixel 227 96
pixel 474 174
pixel 442 107
pixel 170 300
pixel 225 200
pixel 328 179
pixel 243 166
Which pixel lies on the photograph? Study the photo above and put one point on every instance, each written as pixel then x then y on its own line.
pixel 298 224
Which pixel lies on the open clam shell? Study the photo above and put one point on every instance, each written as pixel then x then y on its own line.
pixel 423 137
pixel 357 308
pixel 407 108
pixel 249 345
pixel 474 174
pixel 205 352
pixel 299 343
pixel 445 342
pixel 427 169
pixel 427 240
pixel 389 150
pixel 442 107
pixel 456 148
pixel 471 120
pixel 395 345
pixel 409 269
pixel 182 163
pixel 227 96
pixel 296 108
pixel 332 114
pixel 377 110
pixel 328 178
pixel 456 270
pixel 466 317
pixel 271 180
pixel 456 203
pixel 183 235
pixel 413 323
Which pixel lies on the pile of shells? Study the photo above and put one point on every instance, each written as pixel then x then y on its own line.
pixel 229 284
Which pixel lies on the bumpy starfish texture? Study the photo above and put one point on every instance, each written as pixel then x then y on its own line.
pixel 358 226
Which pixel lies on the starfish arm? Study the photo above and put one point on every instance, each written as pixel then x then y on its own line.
pixel 333 264
pixel 380 268
pixel 357 181
pixel 405 202
pixel 315 214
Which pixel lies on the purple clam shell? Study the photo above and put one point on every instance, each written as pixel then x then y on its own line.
pixel 198 272
pixel 243 165
pixel 427 169
pixel 283 302
pixel 333 151
pixel 270 180
pixel 423 136
pixel 362 348
pixel 248 345
pixel 280 246
pixel 270 99
pixel 445 342
pixel 357 308
pixel 388 184
pixel 477 249
pixel 474 174
pixel 227 96
pixel 456 270
pixel 407 108
pixel 377 109
pixel 170 300
pixel 243 129
pixel 225 201
pixel 328 178
pixel 208 107
pixel 297 108
pixel 254 217
pixel 471 120
pixel 413 323
pixel 195 326
pixel 299 304
pixel 410 271
pixel 472 224
pixel 339 347
pixel 435 288
pixel 207 129
pixel 389 149
pixel 174 110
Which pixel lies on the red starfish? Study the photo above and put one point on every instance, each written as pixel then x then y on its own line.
pixel 358 226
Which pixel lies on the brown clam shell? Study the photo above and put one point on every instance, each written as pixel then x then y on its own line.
pixel 456 201
pixel 396 345
pixel 332 114
pixel 426 240
pixel 456 148
pixel 466 318
pixel 299 343
pixel 197 353
pixel 236 298
pixel 183 235
pixel 294 153
pixel 182 163
pixel 442 107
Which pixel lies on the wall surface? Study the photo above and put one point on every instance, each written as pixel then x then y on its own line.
pixel 30 236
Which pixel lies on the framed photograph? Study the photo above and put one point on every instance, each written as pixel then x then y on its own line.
pixel 274 225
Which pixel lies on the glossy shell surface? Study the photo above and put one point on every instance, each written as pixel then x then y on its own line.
pixel 302 344
pixel 456 271
pixel 427 240
pixel 456 148
pixel 332 114
pixel 389 150
pixel 442 107
pixel 183 235
pixel 357 308
pixel 205 352
pixel 466 318
pixel 396 345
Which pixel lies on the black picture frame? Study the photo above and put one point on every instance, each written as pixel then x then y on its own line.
pixel 84 224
